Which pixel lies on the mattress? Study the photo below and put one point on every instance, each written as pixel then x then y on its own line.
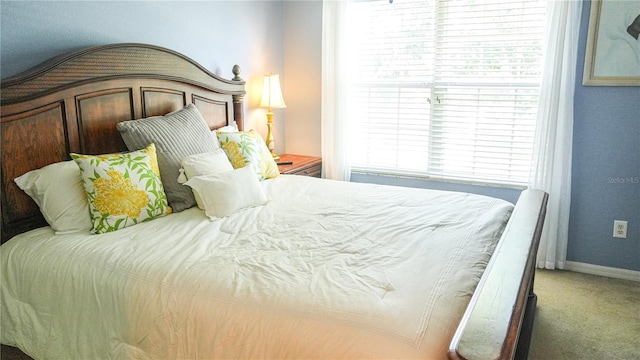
pixel 325 269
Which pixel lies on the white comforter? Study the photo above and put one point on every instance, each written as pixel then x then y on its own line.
pixel 326 269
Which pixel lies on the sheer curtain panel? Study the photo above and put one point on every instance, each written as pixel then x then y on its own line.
pixel 334 118
pixel 551 166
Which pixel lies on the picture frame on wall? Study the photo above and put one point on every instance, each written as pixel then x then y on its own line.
pixel 612 55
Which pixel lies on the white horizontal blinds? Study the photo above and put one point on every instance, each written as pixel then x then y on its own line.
pixel 393 74
pixel 467 107
pixel 484 133
pixel 392 129
pixel 489 42
pixel 488 59
pixel 395 42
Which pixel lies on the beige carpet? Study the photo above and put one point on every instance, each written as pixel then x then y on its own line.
pixel 579 316
pixel 585 317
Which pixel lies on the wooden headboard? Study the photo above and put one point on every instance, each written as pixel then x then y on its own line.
pixel 72 103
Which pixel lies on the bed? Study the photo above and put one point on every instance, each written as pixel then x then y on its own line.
pixel 313 268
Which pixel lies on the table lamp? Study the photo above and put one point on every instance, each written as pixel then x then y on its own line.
pixel 271 99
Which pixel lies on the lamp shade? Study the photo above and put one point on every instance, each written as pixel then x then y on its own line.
pixel 271 93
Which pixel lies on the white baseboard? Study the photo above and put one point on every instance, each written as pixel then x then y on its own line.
pixel 603 271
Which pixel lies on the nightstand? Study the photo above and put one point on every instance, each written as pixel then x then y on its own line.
pixel 300 165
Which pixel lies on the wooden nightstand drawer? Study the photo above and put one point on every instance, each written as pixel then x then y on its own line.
pixel 300 165
pixel 314 171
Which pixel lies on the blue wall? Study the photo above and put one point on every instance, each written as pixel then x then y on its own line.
pixel 606 170
pixel 215 34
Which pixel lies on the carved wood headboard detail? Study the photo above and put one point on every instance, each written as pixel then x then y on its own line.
pixel 72 103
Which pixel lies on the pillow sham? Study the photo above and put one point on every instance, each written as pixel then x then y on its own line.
pixel 225 193
pixel 176 135
pixel 122 189
pixel 248 148
pixel 58 191
pixel 204 164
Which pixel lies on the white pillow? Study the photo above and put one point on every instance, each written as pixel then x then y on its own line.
pixel 59 192
pixel 229 128
pixel 205 164
pixel 225 193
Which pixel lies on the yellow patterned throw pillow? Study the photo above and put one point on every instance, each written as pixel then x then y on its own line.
pixel 248 148
pixel 122 189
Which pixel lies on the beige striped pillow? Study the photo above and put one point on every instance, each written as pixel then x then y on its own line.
pixel 176 136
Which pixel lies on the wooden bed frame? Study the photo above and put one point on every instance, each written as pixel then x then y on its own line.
pixel 72 104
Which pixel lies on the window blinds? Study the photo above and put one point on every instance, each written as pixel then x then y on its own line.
pixel 446 89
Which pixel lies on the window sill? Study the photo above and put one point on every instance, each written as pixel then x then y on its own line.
pixel 431 178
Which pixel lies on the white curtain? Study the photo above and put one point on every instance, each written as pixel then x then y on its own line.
pixel 551 167
pixel 334 118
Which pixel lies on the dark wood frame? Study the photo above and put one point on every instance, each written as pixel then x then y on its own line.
pixel 499 318
pixel 72 104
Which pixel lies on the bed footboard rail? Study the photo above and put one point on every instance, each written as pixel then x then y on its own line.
pixel 491 326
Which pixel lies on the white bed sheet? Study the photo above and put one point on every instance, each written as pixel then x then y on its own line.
pixel 326 269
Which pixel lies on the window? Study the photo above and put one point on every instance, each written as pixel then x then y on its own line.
pixel 446 89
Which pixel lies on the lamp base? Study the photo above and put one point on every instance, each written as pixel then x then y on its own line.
pixel 269 140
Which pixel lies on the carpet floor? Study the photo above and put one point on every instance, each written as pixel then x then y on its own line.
pixel 585 317
pixel 579 316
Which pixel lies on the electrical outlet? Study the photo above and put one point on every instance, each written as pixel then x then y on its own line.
pixel 620 229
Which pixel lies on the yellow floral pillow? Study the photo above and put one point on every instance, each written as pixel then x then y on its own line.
pixel 248 148
pixel 122 189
